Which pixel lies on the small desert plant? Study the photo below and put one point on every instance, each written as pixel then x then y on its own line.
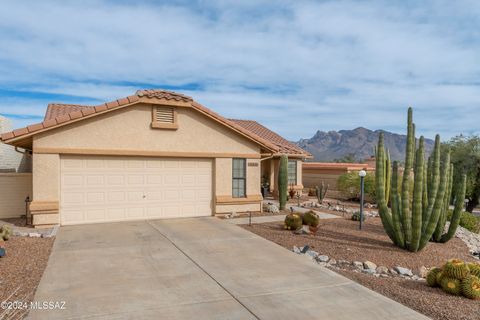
pixel 5 232
pixel 283 181
pixel 457 277
pixel 432 276
pixel 467 220
pixel 291 191
pixel 470 287
pixel 293 221
pixel 356 216
pixel 312 192
pixel 311 218
pixel 321 192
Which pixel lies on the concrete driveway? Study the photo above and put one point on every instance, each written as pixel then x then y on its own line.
pixel 200 268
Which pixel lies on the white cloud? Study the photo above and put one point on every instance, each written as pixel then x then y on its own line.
pixel 297 66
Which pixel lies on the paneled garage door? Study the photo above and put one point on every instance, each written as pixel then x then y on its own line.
pixel 101 189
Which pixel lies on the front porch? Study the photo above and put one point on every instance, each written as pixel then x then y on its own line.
pixel 269 171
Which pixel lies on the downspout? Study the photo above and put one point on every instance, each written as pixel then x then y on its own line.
pixel 28 152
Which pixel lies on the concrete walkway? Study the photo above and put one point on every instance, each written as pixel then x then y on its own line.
pixel 199 268
pixel 280 217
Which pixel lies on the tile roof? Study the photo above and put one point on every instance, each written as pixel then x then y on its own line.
pixel 284 145
pixel 337 165
pixel 59 114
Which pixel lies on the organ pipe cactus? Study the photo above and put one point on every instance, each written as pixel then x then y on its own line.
pixel 283 181
pixel 411 223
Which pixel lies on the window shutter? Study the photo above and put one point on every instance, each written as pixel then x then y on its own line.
pixel 164 115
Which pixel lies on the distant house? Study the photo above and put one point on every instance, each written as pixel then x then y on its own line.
pixel 12 160
pixel 329 172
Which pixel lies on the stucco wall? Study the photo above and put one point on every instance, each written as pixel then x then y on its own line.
pixel 15 187
pixel 46 177
pixel 129 129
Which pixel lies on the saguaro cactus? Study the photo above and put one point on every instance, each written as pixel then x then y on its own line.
pixel 283 181
pixel 411 223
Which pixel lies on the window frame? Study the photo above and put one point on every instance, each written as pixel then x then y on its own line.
pixel 235 178
pixel 288 172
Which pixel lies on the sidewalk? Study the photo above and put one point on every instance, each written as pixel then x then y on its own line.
pixel 276 218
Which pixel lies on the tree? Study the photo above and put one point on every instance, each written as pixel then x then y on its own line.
pixel 465 151
pixel 349 184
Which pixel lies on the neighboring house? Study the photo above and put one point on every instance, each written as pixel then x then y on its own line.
pixel 329 172
pixel 155 154
pixel 10 159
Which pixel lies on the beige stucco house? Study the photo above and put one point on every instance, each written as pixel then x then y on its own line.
pixel 155 154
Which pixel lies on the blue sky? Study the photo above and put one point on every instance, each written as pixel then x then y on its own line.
pixel 295 66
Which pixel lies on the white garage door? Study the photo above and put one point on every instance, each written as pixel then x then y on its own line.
pixel 101 189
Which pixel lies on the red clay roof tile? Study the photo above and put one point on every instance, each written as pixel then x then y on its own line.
pixel 7 135
pixel 20 132
pixel 35 127
pixel 112 104
pixel 284 145
pixel 63 113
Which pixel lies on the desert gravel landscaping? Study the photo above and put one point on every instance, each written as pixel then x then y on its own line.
pixel 22 268
pixel 340 239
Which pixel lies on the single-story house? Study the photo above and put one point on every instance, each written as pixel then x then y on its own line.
pixel 154 154
pixel 314 173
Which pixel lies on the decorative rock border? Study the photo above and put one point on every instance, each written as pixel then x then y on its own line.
pixel 41 233
pixel 366 267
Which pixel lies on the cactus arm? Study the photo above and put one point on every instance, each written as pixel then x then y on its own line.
pixel 396 212
pixel 439 202
pixel 283 181
pixel 435 179
pixel 417 206
pixel 425 194
pixel 457 212
pixel 383 211
pixel 388 176
pixel 406 213
pixel 446 204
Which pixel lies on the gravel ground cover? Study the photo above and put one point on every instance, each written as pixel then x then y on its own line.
pixel 340 239
pixel 21 269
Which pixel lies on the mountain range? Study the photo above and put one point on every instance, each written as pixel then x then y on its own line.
pixel 358 144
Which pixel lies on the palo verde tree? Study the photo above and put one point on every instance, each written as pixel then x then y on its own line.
pixel 412 222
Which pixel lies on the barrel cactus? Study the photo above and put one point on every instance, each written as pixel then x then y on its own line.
pixel 283 181
pixel 451 285
pixel 5 232
pixel 456 277
pixel 293 221
pixel 432 277
pixel 457 269
pixel 474 269
pixel 470 287
pixel 311 218
pixel 412 223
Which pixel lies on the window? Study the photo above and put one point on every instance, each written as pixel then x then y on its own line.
pixel 164 117
pixel 239 177
pixel 292 172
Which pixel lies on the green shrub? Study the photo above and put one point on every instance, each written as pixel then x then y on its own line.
pixel 310 218
pixel 293 221
pixel 349 185
pixel 5 232
pixel 356 216
pixel 468 221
